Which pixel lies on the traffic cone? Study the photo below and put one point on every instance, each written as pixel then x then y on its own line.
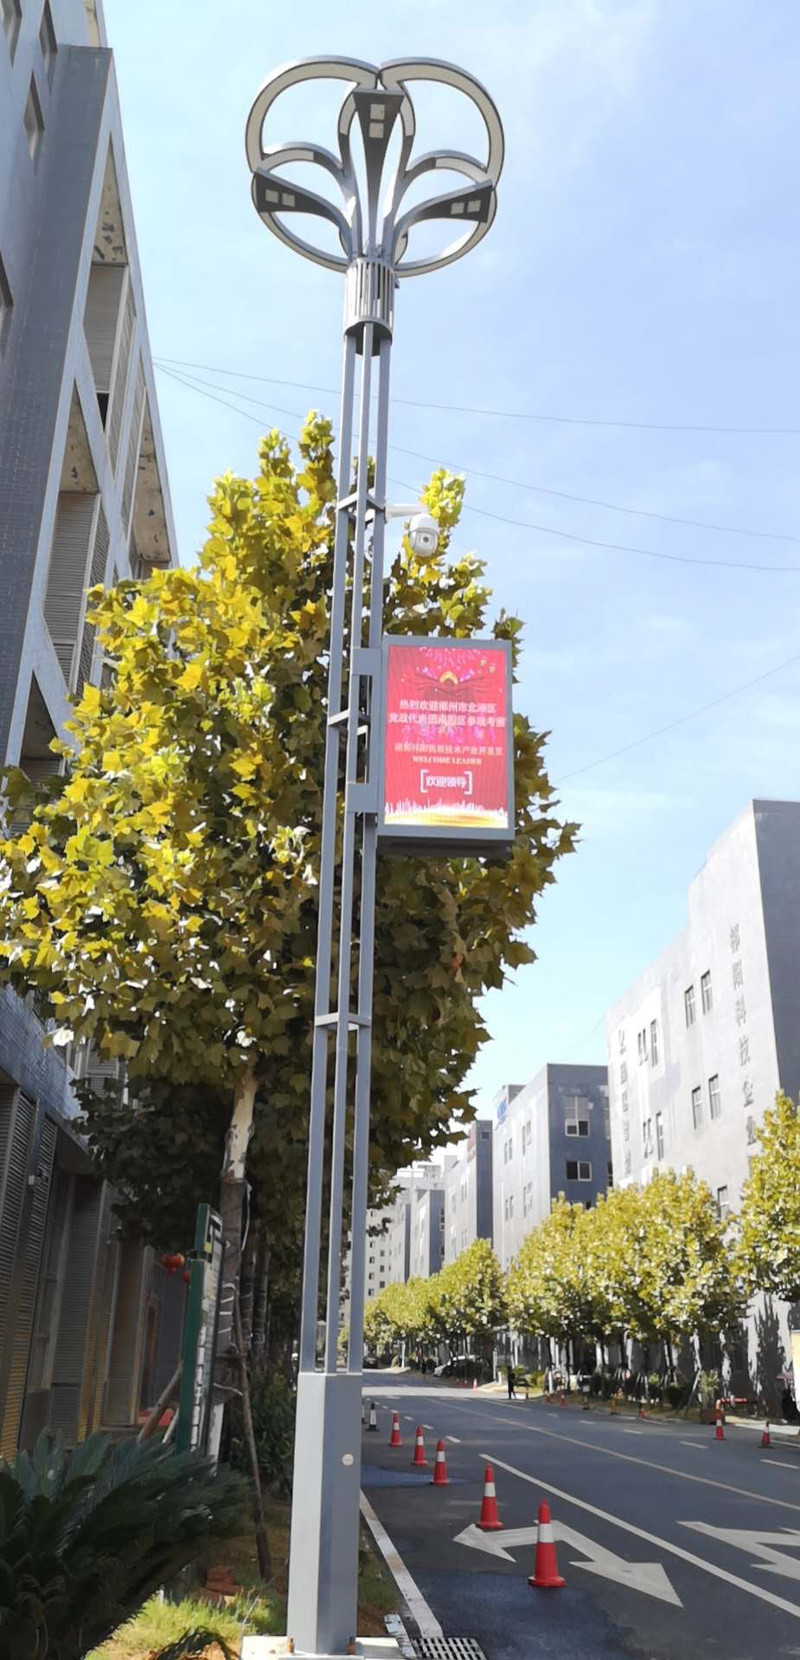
pixel 490 1521
pixel 719 1433
pixel 394 1438
pixel 545 1576
pixel 373 1417
pixel 765 1439
pixel 642 1413
pixel 474 1385
pixel 562 1399
pixel 419 1458
pixel 440 1478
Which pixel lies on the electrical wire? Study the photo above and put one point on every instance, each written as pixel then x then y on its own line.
pixel 681 720
pixel 508 414
pixel 195 385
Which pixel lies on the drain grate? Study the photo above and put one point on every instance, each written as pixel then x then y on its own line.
pixel 448 1648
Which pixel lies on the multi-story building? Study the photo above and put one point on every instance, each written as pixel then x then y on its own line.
pixel 468 1191
pixel 551 1136
pixel 699 1044
pixel 400 1234
pixel 425 1230
pixel 83 500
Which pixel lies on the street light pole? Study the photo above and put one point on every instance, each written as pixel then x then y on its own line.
pixel 374 239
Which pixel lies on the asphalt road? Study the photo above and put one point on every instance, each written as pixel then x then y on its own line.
pixel 673 1545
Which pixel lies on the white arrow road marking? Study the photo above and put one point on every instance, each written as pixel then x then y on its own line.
pixel 758 1542
pixel 759 1591
pixel 648 1577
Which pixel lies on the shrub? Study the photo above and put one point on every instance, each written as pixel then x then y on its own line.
pixel 676 1393
pixel 272 1403
pixel 87 1536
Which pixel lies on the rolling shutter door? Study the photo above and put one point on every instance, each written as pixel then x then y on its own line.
pixel 78 1299
pixel 27 1252
pixel 100 320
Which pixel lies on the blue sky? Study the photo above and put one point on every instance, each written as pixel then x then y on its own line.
pixel 642 269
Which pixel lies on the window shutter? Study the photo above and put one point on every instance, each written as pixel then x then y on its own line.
pixel 100 320
pixel 27 1251
pixel 121 376
pixel 96 575
pixel 17 1118
pixel 134 440
pixel 78 1299
pixel 66 578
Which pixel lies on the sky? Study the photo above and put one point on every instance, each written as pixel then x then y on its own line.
pixel 640 282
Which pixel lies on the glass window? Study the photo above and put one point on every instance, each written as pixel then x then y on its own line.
pixel 714 1099
pixel 571 1126
pixel 572 1170
pixel 722 1201
pixel 688 1005
pixel 47 40
pixel 697 1108
pixel 705 991
pixel 11 11
pixel 659 1135
pixel 583 1126
pixel 584 1171
pixel 33 120
pixel 654 1043
pixel 647 1138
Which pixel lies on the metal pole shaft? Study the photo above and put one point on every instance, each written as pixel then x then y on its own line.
pixel 322 993
pixel 347 877
pixel 358 1221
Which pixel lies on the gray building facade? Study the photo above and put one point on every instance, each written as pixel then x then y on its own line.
pixel 83 500
pixel 468 1210
pixel 551 1136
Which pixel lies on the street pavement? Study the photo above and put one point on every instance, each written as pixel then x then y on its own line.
pixel 672 1544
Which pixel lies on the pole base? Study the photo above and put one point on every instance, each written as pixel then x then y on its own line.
pixel 275 1648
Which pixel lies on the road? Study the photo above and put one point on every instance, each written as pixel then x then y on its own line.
pixel 673 1545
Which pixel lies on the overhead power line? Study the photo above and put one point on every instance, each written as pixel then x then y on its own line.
pixel 505 414
pixel 206 389
pixel 518 483
pixel 681 720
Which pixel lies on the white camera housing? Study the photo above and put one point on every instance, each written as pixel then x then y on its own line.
pixel 423 533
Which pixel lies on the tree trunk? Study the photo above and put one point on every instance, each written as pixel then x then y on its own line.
pixel 247 1285
pixel 232 1197
pixel 262 1543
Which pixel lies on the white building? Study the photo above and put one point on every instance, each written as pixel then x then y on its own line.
pixel 468 1190
pixel 550 1137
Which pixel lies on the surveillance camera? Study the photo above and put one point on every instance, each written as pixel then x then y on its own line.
pixel 423 533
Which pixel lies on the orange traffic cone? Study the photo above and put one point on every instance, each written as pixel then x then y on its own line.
pixel 719 1433
pixel 419 1458
pixel 394 1438
pixel 562 1399
pixel 545 1576
pixel 440 1478
pixel 490 1521
pixel 642 1413
pixel 766 1439
pixel 373 1417
pixel 474 1384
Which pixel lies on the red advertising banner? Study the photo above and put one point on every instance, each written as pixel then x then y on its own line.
pixel 447 750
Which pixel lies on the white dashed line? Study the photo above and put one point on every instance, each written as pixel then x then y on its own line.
pixel 454 1439
pixel 701 1444
pixel 783 1462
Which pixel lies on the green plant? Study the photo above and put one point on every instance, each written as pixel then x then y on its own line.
pixel 655 1386
pixel 675 1392
pixel 87 1536
pixel 272 1403
pixel 708 1388
pixel 192 1643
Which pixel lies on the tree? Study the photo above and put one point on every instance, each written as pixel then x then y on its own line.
pixel 164 893
pixel 769 1240
pixel 548 1288
pixel 687 1282
pixel 471 1295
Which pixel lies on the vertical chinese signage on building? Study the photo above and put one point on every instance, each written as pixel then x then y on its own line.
pixel 447 745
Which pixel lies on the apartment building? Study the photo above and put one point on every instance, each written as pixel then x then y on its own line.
pixel 402 1235
pixel 83 500
pixel 703 1038
pixel 468 1191
pixel 551 1136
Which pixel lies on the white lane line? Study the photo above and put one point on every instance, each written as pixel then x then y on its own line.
pixel 633 1432
pixel 651 1538
pixel 429 1427
pixel 408 1417
pixel 783 1462
pixel 454 1439
pixel 409 1590
pixel 633 1458
pixel 703 1445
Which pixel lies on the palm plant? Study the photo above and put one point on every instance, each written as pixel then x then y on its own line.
pixel 87 1535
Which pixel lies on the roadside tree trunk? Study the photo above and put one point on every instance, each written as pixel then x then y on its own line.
pixel 232 1201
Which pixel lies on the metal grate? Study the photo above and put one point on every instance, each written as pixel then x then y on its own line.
pixel 448 1648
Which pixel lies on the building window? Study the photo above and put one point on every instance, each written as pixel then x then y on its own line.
pixel 659 1135
pixel 689 1005
pixel 610 1177
pixel 714 1101
pixel 722 1202
pixel 578 1170
pixel 6 305
pixel 626 1163
pixel 527 1133
pixel 33 120
pixel 647 1138
pixel 697 1108
pixel 12 20
pixel 47 40
pixel 641 1046
pixel 654 1043
pixel 705 991
pixel 751 1132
